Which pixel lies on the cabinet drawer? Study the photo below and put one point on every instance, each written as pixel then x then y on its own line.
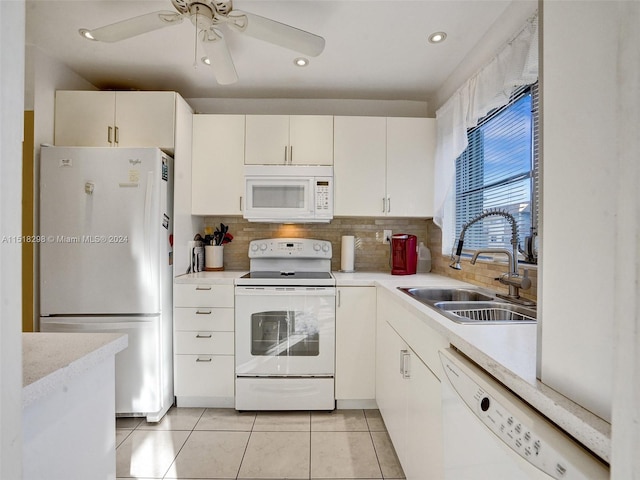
pixel 220 343
pixel 203 318
pixel 202 295
pixel 204 375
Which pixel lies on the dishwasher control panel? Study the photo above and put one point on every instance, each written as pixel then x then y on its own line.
pixel 520 427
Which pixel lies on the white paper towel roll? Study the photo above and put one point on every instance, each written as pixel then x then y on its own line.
pixel 348 252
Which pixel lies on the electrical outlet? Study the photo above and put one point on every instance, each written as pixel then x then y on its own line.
pixel 386 236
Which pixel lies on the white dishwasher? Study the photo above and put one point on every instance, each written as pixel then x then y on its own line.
pixel 491 434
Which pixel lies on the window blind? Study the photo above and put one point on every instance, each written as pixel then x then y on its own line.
pixel 499 170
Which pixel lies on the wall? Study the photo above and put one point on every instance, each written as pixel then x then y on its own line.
pixel 580 192
pixel 12 30
pixel 306 106
pixel 371 253
pixel 483 273
pixel 626 377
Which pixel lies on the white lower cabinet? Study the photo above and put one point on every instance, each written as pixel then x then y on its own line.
pixel 204 365
pixel 355 347
pixel 408 394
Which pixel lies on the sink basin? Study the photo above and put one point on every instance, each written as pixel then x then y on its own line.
pixel 432 295
pixel 472 306
pixel 496 313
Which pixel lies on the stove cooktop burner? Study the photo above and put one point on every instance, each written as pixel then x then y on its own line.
pixel 289 275
pixel 287 279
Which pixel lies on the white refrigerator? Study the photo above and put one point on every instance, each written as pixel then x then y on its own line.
pixel 106 261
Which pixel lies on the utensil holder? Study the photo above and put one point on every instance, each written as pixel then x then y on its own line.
pixel 214 258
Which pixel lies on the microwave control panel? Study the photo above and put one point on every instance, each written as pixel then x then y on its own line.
pixel 322 195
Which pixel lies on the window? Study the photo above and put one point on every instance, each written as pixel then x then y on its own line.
pixel 499 169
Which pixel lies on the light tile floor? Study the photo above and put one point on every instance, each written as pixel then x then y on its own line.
pixel 198 443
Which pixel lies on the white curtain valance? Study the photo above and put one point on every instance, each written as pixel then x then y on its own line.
pixel 516 65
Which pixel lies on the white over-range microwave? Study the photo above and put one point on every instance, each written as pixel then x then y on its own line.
pixel 288 193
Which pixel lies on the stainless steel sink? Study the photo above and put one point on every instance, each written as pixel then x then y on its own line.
pixel 472 306
pixel 432 295
pixel 487 312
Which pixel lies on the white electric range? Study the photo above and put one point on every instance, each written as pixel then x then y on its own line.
pixel 285 327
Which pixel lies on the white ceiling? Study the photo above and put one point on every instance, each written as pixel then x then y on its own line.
pixel 374 49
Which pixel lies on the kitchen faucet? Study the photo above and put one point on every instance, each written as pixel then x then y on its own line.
pixel 512 278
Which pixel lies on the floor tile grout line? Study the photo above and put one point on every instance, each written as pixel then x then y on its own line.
pixel 375 450
pixel 184 443
pixel 310 440
pixel 246 447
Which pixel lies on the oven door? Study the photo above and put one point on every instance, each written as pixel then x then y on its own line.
pixel 285 331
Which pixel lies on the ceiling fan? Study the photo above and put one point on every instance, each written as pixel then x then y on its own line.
pixel 209 17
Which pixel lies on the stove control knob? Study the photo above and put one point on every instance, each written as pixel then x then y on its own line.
pixel 254 247
pixel 316 247
pixel 263 247
pixel 325 248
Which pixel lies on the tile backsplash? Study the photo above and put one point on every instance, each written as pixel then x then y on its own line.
pixel 371 254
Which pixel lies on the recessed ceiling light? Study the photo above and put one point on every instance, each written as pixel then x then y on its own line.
pixel 301 62
pixel 206 60
pixel 86 34
pixel 437 37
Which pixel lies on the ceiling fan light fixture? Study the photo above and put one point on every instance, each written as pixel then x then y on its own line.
pixel 437 37
pixel 86 34
pixel 301 62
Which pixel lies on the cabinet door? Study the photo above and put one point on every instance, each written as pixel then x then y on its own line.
pixel 410 160
pixel 311 139
pixel 217 177
pixel 424 423
pixel 359 166
pixel 84 118
pixel 355 343
pixel 145 119
pixel 391 387
pixel 267 140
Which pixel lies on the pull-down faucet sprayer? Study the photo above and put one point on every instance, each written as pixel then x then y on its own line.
pixel 512 278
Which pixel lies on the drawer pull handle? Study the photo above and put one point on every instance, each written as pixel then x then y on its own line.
pixel 204 359
pixel 203 336
pixel 202 312
pixel 203 288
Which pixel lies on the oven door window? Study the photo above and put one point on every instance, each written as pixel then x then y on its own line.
pixel 284 333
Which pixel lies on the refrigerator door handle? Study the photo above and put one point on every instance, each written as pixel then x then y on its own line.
pixel 147 223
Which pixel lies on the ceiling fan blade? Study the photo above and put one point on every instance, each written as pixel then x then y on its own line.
pixel 217 50
pixel 277 33
pixel 134 26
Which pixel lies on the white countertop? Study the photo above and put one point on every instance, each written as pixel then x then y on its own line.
pixel 225 277
pixel 507 352
pixel 49 360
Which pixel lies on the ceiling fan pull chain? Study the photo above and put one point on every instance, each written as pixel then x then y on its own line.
pixel 195 41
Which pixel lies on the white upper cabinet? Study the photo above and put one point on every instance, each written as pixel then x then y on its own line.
pixel 115 119
pixel 360 166
pixel 384 166
pixel 411 146
pixel 286 140
pixel 217 176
